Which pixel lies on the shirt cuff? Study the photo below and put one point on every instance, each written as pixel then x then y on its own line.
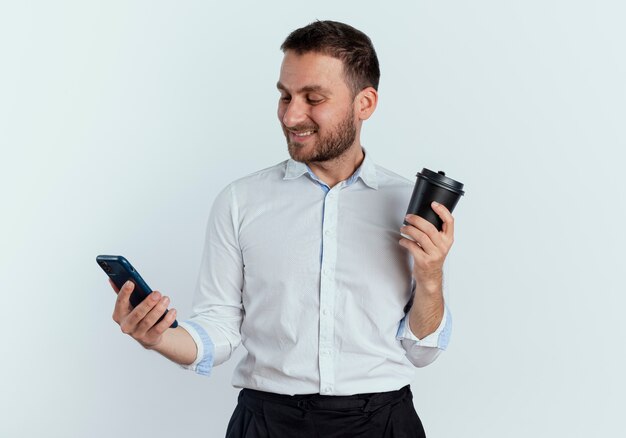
pixel 204 359
pixel 440 338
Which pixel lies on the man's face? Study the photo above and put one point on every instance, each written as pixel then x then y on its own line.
pixel 316 107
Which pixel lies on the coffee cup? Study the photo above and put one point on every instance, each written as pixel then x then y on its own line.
pixel 433 187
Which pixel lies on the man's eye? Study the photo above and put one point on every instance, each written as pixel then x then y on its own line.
pixel 285 98
pixel 314 100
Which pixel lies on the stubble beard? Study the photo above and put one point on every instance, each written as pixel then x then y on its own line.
pixel 327 147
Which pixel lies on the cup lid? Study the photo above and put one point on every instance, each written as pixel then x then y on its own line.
pixel 440 179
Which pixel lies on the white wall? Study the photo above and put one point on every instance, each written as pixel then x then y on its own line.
pixel 120 121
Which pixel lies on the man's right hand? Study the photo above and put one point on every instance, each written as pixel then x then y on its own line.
pixel 141 322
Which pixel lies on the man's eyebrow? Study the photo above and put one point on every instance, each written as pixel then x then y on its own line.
pixel 305 89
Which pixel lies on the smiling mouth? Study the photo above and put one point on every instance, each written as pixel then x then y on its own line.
pixel 302 133
pixel 300 136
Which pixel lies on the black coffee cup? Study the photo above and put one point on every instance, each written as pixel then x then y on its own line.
pixel 433 186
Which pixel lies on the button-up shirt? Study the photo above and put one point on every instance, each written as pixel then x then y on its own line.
pixel 313 282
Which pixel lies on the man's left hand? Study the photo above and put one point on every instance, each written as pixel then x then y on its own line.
pixel 429 249
pixel 430 246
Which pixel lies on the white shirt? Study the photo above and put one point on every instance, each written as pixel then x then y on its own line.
pixel 313 282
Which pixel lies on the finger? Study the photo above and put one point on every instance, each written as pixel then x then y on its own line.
pixel 151 318
pixel 136 316
pixel 165 323
pixel 420 238
pixel 426 227
pixel 446 217
pixel 122 303
pixel 415 250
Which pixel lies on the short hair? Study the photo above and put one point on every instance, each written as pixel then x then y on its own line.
pixel 341 41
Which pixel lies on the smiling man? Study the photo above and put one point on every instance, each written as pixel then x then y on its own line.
pixel 304 264
pixel 316 107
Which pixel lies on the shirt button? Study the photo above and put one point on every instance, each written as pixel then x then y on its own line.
pixel 328 389
pixel 325 271
pixel 324 312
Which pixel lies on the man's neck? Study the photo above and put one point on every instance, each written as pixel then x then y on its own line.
pixel 341 168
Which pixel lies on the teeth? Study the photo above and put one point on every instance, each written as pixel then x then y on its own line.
pixel 303 134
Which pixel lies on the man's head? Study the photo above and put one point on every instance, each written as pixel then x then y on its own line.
pixel 328 83
pixel 341 41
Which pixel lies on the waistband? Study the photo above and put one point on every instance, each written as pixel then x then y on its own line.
pixel 366 402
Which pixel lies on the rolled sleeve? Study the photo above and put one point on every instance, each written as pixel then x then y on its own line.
pixel 422 352
pixel 217 310
pixel 206 350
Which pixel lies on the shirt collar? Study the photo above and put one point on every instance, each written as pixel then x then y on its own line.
pixel 366 171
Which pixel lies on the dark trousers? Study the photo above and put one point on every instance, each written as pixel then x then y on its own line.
pixel 376 415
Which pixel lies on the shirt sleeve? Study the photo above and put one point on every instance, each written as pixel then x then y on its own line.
pixel 422 352
pixel 217 309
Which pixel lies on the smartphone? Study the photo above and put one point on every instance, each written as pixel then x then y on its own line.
pixel 120 271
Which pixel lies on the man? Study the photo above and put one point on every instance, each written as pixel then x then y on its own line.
pixel 304 264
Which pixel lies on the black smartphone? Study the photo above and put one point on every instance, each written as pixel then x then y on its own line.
pixel 120 271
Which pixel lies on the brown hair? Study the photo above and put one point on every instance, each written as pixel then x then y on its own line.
pixel 341 41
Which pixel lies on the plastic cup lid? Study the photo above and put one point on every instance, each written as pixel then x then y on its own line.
pixel 440 179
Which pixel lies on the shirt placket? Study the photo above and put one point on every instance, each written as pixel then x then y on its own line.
pixel 328 291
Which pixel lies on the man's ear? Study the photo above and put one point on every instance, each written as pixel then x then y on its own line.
pixel 365 103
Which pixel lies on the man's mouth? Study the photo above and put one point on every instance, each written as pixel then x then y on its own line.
pixel 303 133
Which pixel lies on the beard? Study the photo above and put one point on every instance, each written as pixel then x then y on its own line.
pixel 327 146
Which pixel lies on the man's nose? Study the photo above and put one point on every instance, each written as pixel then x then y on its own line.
pixel 295 114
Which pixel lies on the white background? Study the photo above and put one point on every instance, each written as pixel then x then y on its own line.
pixel 121 120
